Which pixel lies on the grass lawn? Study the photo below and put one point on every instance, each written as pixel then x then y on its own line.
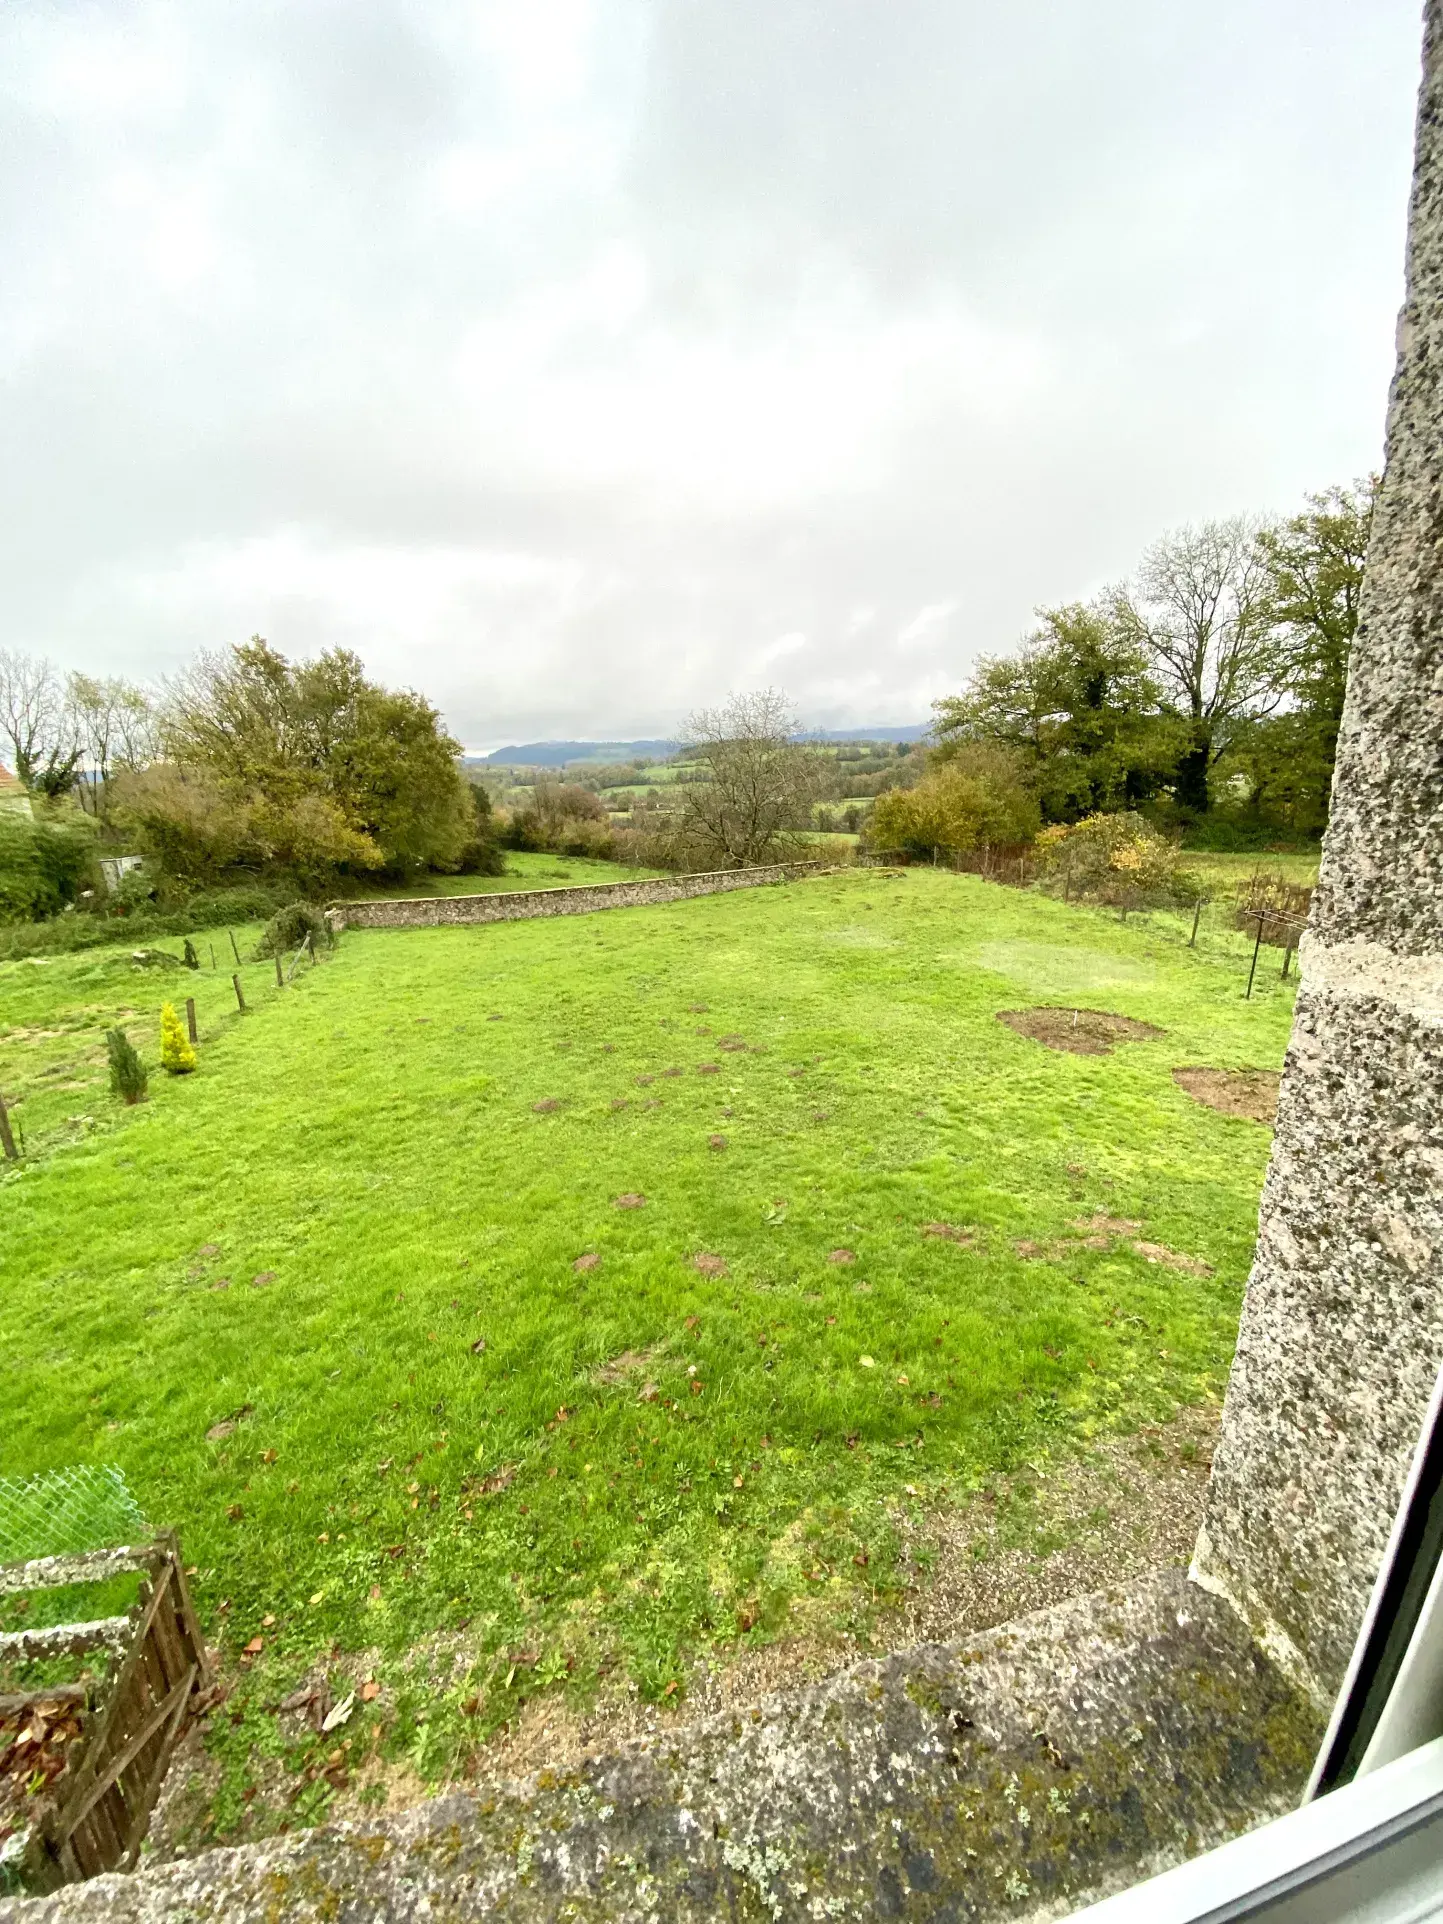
pixel 523 871
pixel 500 1433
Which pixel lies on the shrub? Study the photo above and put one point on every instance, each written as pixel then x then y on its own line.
pixel 976 798
pixel 290 926
pixel 192 960
pixel 128 1079
pixel 177 1057
pixel 1118 859
pixel 44 862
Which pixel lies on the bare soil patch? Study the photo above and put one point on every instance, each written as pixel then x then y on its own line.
pixel 1080 1032
pixel 1252 1093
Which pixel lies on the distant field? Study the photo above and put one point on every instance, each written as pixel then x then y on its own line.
pixel 523 871
pixel 496 1432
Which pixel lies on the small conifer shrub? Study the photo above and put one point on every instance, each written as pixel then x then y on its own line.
pixel 177 1057
pixel 192 960
pixel 128 1079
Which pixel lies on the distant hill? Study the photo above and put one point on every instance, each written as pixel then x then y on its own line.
pixel 557 754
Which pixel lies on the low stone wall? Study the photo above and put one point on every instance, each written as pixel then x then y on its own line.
pixel 1029 1767
pixel 522 905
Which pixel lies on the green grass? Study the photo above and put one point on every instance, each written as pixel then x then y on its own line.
pixel 1231 870
pixel 443 1430
pixel 523 871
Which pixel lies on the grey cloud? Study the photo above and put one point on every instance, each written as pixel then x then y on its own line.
pixel 573 360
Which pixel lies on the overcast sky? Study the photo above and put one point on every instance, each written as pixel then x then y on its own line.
pixel 576 361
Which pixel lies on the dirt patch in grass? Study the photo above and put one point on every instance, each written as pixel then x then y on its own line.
pixel 1080 1032
pixel 1252 1093
pixel 631 1363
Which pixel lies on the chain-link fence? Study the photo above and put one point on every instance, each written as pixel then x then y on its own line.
pixel 88 1507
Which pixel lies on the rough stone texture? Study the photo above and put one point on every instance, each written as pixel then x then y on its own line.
pixel 1012 1775
pixel 1342 1329
pixel 521 905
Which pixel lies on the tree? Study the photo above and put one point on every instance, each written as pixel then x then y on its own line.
pixel 115 725
pixel 1314 563
pixel 757 784
pixel 36 722
pixel 177 1057
pixel 1198 611
pixel 1078 704
pixel 329 770
pixel 977 796
pixel 128 1079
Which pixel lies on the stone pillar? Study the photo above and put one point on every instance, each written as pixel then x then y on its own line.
pixel 1342 1327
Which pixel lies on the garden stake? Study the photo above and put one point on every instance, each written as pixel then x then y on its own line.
pixel 240 999
pixel 234 950
pixel 7 1141
pixel 280 979
pixel 1196 917
pixel 1256 946
pixel 190 1027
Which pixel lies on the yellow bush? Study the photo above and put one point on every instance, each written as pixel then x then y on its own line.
pixel 176 1054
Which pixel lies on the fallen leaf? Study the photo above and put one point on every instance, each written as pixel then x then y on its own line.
pixel 904 1379
pixel 318 1597
pixel 736 1483
pixel 235 1511
pixel 697 1386
pixel 267 1620
pixel 255 1647
pixel 370 1690
pixel 478 1348
pixel 867 1362
pixel 340 1715
pixel 648 1393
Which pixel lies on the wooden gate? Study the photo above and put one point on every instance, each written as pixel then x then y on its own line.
pixel 97 1813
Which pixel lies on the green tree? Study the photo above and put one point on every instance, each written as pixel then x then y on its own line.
pixel 322 770
pixel 978 796
pixel 1078 704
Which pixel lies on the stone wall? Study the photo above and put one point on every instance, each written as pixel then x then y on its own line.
pixel 1342 1328
pixel 521 905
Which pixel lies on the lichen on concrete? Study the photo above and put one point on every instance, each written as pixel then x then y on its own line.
pixel 1006 1776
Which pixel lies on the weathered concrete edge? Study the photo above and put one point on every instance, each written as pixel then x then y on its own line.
pixel 1014 1774
pixel 520 905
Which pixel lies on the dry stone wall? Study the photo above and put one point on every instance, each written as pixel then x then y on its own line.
pixel 521 905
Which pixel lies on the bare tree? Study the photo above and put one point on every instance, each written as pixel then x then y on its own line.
pixel 1199 611
pixel 116 725
pixel 35 720
pixel 758 783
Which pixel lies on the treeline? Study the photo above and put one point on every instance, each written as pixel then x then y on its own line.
pixel 1205 693
pixel 248 769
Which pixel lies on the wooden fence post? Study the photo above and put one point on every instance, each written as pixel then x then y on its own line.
pixel 212 955
pixel 311 945
pixel 239 996
pixel 280 979
pixel 233 949
pixel 7 1140
pixel 190 1027
pixel 1196 918
pixel 1287 958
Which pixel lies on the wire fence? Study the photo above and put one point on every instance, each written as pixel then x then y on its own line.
pixel 1254 926
pixel 65 1512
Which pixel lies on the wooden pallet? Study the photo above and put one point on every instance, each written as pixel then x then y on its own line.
pixel 99 1810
